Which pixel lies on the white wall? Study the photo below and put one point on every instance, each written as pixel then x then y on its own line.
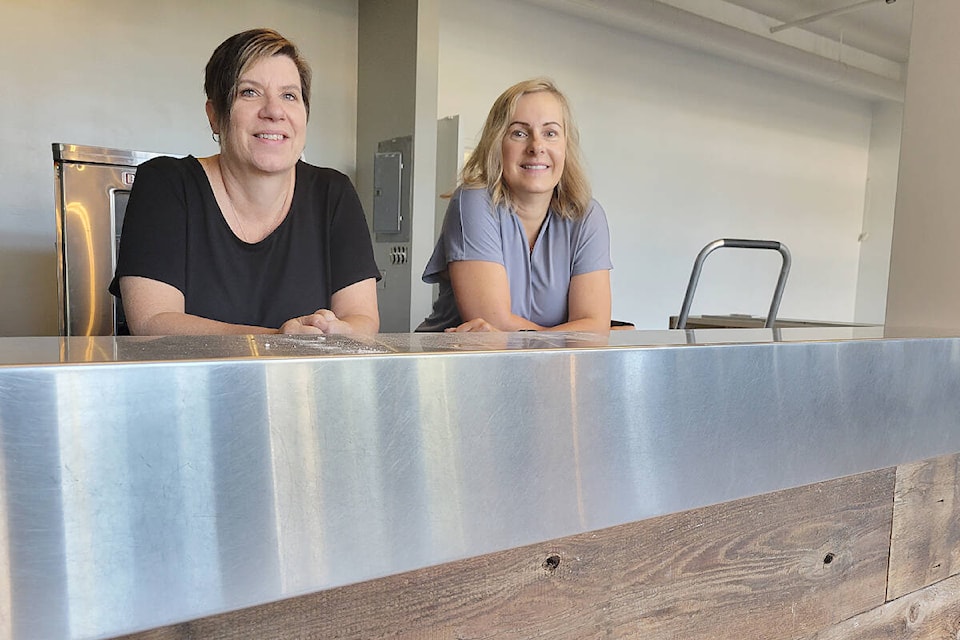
pixel 130 75
pixel 881 196
pixel 683 149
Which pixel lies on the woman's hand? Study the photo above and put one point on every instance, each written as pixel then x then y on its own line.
pixel 477 324
pixel 356 313
pixel 320 321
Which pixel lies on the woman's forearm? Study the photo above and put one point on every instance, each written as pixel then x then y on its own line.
pixel 360 323
pixel 592 325
pixel 174 323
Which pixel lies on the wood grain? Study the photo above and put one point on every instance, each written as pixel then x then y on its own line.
pixel 925 545
pixel 781 565
pixel 929 614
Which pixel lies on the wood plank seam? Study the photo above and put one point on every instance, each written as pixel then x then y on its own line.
pixel 925 540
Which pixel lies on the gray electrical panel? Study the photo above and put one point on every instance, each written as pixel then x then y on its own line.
pixel 392 204
pixel 387 176
pixel 392 189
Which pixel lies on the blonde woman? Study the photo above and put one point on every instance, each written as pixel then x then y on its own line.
pixel 523 244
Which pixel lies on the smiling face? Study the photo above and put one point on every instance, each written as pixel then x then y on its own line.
pixel 534 148
pixel 268 118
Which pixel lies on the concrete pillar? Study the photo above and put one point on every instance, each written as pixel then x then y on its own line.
pixel 397 97
pixel 924 283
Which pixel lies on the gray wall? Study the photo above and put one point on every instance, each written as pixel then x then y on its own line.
pixel 130 75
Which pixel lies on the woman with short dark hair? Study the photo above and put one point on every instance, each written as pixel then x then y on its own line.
pixel 252 239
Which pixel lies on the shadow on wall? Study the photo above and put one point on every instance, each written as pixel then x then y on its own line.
pixel 30 288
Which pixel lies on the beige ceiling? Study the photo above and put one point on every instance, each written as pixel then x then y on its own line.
pixel 876 27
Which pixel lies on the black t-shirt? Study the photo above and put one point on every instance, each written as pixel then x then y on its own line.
pixel 174 232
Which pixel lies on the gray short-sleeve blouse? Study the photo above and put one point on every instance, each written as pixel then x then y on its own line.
pixel 475 229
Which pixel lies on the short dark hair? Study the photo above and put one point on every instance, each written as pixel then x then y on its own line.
pixel 235 55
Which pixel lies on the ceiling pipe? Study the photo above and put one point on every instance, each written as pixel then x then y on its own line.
pixel 678 27
pixel 825 14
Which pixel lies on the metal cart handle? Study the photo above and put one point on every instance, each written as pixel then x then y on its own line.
pixel 737 244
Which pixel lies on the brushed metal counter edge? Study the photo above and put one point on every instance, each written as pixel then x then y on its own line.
pixel 141 494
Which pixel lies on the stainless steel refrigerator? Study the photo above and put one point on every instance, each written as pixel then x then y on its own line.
pixel 92 185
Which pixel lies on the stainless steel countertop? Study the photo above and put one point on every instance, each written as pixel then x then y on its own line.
pixel 107 349
pixel 149 481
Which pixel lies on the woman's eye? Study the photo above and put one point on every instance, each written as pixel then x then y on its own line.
pixel 551 133
pixel 517 133
pixel 248 93
pixel 291 96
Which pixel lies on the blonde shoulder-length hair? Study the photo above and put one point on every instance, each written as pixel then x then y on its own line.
pixel 484 167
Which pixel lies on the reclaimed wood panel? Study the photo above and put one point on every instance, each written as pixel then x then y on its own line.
pixel 925 544
pixel 781 565
pixel 929 614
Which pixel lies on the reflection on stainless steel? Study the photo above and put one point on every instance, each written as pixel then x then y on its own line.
pixel 168 478
pixel 76 216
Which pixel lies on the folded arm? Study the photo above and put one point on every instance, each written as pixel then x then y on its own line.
pixel 156 308
pixel 482 291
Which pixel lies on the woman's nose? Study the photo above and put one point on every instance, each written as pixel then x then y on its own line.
pixel 535 144
pixel 272 107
